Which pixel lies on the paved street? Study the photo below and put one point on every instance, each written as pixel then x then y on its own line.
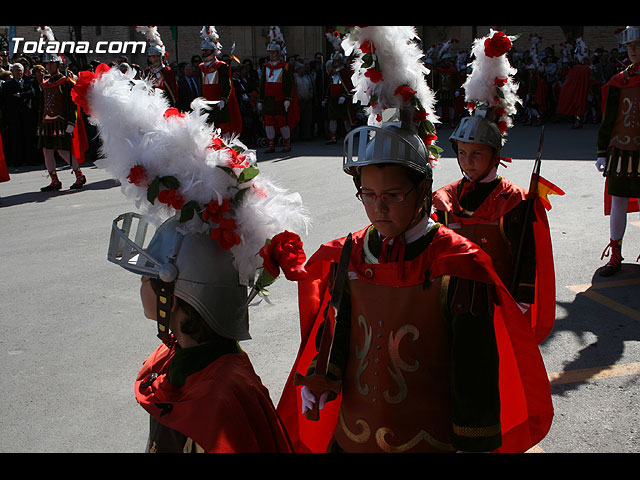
pixel 74 336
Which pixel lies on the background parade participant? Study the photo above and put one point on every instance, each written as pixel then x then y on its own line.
pixel 217 85
pixel 161 74
pixel 278 101
pixel 619 148
pixel 489 209
pixel 422 317
pixel 58 128
pixel 231 230
pixel 338 96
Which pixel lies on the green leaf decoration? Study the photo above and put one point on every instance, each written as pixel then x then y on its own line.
pixel 248 174
pixel 367 60
pixel 264 280
pixel 239 196
pixel 170 182
pixel 188 211
pixel 153 190
pixel 499 93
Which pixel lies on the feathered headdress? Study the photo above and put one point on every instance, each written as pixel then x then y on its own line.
pixel 210 39
pixel 389 73
pixel 154 41
pixel 490 85
pixel 276 38
pixel 582 51
pixel 335 39
pixel 175 164
pixel 47 35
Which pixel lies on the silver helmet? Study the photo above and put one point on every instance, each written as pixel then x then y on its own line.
pixel 397 144
pixel 630 34
pixel 478 128
pixel 199 271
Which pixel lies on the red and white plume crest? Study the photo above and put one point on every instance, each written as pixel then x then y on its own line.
pixel 151 34
pixel 46 33
pixel 491 81
pixel 388 66
pixel 210 34
pixel 176 164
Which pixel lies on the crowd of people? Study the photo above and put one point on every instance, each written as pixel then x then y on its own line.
pixel 540 75
pixel 555 86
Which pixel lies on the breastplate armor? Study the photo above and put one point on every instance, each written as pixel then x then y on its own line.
pixel 491 238
pixel 396 387
pixel 626 129
pixel 54 106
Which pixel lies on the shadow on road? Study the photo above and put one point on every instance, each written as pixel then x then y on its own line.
pixel 602 317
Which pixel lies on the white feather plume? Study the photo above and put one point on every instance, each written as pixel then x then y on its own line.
pixel 46 33
pixel 151 34
pixel 482 86
pixel 130 117
pixel 400 61
pixel 211 34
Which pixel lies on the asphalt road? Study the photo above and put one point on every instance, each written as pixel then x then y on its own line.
pixel 74 336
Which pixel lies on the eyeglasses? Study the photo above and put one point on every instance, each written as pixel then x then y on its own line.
pixel 370 198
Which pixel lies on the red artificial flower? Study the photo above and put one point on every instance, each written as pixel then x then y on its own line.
pixel 237 160
pixel 500 82
pixel 213 211
pixel 285 252
pixel 373 74
pixel 471 106
pixel 367 47
pixel 497 45
pixel 173 112
pixel 420 116
pixel 137 176
pixel 172 198
pixel 406 92
pixel 217 144
pixel 429 138
pixel 224 234
pixel 502 126
pixel 80 90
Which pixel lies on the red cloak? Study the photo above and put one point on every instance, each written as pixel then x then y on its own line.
pixel 527 410
pixel 224 407
pixel 4 172
pixel 574 91
pixel 504 198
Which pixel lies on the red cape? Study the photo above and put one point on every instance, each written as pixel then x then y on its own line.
pixel 239 419
pixel 80 141
pixel 504 198
pixel 574 91
pixel 4 172
pixel 527 410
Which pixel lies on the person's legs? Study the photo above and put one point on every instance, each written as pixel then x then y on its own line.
pixel 617 227
pixel 50 164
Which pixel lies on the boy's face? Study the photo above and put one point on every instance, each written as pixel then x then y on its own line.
pixel 388 217
pixel 633 49
pixel 475 159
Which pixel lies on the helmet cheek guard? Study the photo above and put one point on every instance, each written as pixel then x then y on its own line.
pixel 187 265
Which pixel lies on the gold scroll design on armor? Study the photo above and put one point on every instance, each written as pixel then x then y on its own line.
pixel 628 121
pixel 396 374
